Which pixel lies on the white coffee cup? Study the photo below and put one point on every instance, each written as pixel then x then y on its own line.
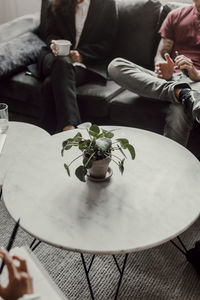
pixel 62 47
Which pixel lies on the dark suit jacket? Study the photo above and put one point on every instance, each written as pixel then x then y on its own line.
pixel 97 37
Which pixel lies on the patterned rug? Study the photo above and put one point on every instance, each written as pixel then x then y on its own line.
pixel 160 273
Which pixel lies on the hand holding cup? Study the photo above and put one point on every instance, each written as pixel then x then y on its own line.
pixel 60 47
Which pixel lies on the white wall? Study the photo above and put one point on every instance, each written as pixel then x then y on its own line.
pixel 10 9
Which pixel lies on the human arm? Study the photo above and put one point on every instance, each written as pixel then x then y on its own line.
pixel 164 65
pixel 184 63
pixel 20 281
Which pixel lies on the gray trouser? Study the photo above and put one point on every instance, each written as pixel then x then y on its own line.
pixel 145 83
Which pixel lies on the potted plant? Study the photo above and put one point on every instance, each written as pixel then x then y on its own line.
pixel 97 152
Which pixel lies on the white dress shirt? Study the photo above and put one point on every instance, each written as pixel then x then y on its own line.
pixel 80 17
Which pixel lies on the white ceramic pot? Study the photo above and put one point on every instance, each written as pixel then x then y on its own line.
pixel 99 168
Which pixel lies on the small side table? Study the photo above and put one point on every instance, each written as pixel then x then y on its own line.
pixel 20 137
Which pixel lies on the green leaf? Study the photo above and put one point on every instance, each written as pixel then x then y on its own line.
pixel 121 165
pixel 104 144
pixel 67 169
pixel 120 149
pixel 80 172
pixel 78 137
pixel 94 130
pixel 123 143
pixel 68 144
pixel 101 135
pixel 64 143
pixel 108 134
pixel 87 162
pixel 131 149
pixel 83 145
pixel 67 147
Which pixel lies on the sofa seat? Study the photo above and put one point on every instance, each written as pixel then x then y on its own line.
pixel 130 109
pixel 23 94
pixel 94 99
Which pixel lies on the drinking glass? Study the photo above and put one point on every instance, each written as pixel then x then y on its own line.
pixel 3 118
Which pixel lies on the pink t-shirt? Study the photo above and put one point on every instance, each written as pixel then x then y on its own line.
pixel 182 25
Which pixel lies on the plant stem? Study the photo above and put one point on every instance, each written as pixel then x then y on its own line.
pixel 74 160
pixel 71 144
pixel 116 157
pixel 89 159
pixel 115 162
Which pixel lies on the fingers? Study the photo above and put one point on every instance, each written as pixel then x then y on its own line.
pixel 2 292
pixel 75 56
pixel 12 271
pixel 182 59
pixel 184 64
pixel 158 71
pixel 167 57
pixel 53 47
pixel 23 265
pixel 169 60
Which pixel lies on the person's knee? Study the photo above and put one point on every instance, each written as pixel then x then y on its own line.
pixel 62 62
pixel 116 67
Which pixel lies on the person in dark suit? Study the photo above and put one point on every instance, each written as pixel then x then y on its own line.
pixel 90 26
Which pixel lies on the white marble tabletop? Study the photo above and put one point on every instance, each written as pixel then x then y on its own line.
pixel 20 136
pixel 157 198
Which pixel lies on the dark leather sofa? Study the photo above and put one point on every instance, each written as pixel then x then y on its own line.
pixel 137 41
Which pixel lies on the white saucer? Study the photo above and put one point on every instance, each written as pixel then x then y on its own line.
pixel 107 177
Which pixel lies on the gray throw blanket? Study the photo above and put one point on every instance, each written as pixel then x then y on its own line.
pixel 19 52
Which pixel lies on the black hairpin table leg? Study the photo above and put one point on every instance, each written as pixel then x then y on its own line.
pixel 87 273
pixel 121 271
pixel 184 250
pixel 34 245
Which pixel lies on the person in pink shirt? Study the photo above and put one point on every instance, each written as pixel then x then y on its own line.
pixel 177 72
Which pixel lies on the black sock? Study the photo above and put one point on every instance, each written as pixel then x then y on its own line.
pixel 183 94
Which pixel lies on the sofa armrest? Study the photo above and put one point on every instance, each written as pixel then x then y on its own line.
pixel 19 26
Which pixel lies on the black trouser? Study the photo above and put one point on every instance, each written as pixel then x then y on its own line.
pixel 59 105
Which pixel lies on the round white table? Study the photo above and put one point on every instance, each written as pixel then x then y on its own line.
pixel 20 137
pixel 156 199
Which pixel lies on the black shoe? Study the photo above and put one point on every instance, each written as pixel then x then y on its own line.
pixel 191 101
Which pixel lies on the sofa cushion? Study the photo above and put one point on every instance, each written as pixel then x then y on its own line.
pixel 21 87
pixel 138 26
pixel 22 93
pixel 19 52
pixel 19 26
pixel 130 109
pixel 94 98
